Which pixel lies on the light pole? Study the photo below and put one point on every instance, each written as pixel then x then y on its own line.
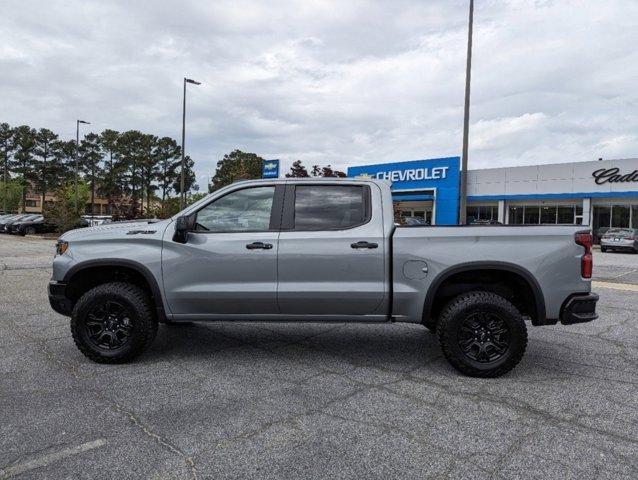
pixel 182 196
pixel 466 121
pixel 77 151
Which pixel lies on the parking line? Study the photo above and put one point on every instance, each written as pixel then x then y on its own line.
pixel 628 287
pixel 45 460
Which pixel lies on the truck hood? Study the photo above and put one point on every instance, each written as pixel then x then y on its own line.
pixel 116 230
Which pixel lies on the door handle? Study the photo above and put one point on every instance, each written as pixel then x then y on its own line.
pixel 259 245
pixel 364 245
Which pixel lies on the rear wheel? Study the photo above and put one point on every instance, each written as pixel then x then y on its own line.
pixel 29 231
pixel 482 334
pixel 113 322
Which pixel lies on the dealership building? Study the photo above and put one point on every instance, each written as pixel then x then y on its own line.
pixel 601 194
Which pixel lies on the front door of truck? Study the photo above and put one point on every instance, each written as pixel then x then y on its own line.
pixel 331 251
pixel 228 264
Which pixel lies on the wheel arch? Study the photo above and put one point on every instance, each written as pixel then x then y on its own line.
pixel 88 274
pixel 507 270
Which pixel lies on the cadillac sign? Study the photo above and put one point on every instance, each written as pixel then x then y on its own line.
pixel 612 175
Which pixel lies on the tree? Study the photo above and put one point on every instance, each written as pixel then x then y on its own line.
pixel 46 143
pixel 10 193
pixel 6 149
pixel 168 155
pixel 189 178
pixel 236 165
pixel 297 170
pixel 329 172
pixel 23 158
pixel 90 154
pixel 326 171
pixel 110 185
pixel 130 147
pixel 63 212
pixel 149 167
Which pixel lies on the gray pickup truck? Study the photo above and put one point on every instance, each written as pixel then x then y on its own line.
pixel 321 251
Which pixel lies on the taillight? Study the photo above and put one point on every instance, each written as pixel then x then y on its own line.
pixel 586 261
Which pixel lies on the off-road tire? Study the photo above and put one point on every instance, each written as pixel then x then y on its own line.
pixel 463 307
pixel 142 317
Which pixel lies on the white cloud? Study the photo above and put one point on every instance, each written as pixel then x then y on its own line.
pixel 332 82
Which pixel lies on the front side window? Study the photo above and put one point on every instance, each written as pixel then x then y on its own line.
pixel 328 207
pixel 245 210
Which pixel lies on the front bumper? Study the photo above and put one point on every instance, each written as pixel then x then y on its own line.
pixel 57 298
pixel 579 308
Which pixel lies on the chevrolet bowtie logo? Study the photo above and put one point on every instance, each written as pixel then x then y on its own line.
pixel 270 166
pixel 363 176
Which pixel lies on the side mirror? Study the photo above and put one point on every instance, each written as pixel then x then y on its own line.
pixel 183 225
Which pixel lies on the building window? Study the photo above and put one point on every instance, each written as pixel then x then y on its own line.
pixel 620 216
pixel 548 214
pixel 565 214
pixel 30 203
pixel 531 215
pixel 516 215
pixel 481 212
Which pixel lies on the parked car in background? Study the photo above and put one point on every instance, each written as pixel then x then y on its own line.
pixel 95 220
pixel 31 227
pixel 5 225
pixel 620 239
pixel 413 221
pixel 480 221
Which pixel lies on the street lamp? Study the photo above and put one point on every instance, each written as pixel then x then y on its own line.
pixel 77 150
pixel 182 198
pixel 466 120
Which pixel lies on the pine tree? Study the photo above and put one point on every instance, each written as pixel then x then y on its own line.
pixel 6 149
pixel 46 143
pixel 90 159
pixel 297 170
pixel 24 158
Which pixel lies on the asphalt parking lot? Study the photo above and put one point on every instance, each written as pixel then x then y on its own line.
pixel 312 401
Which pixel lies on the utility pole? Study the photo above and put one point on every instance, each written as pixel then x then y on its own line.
pixel 182 194
pixel 466 121
pixel 77 152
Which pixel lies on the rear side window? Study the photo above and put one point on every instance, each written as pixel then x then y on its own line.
pixel 329 207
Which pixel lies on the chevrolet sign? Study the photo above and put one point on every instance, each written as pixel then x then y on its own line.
pixel 410 174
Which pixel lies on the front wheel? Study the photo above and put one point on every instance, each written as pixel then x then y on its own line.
pixel 113 322
pixel 603 249
pixel 482 334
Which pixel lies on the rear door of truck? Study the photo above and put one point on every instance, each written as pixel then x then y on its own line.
pixel 331 259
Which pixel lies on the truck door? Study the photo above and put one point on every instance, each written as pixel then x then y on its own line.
pixel 228 264
pixel 331 251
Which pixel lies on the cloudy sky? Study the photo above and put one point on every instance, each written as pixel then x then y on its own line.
pixel 341 83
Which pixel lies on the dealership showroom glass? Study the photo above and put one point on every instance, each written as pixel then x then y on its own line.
pixel 602 194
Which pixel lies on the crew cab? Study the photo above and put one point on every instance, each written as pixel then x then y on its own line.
pixel 324 250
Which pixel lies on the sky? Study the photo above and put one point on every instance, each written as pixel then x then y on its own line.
pixel 332 82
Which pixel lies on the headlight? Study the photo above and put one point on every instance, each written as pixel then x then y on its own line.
pixel 61 246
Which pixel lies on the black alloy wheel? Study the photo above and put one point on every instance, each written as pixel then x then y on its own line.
pixel 482 334
pixel 114 322
pixel 484 337
pixel 108 325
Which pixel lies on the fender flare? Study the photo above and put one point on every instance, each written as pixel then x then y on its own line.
pixel 539 300
pixel 133 265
